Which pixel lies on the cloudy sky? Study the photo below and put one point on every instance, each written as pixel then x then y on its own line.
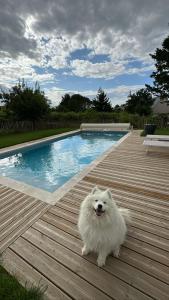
pixel 81 45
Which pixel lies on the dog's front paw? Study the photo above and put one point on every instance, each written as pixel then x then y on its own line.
pixel 101 261
pixel 85 251
pixel 116 252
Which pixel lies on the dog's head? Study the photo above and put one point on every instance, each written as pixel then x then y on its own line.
pixel 101 201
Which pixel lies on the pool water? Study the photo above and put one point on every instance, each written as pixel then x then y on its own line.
pixel 50 165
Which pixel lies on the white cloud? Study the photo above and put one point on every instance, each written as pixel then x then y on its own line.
pixel 107 70
pixel 13 69
pixel 48 77
pixel 55 95
pixel 122 29
pixel 44 33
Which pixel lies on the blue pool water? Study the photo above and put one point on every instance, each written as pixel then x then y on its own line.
pixel 50 165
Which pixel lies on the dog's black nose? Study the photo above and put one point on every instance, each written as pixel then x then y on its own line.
pixel 100 206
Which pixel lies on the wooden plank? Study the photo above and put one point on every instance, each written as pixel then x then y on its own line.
pixel 61 213
pixel 60 223
pixel 141 162
pixel 2 188
pixel 87 186
pixel 137 203
pixel 71 215
pixel 140 170
pixel 62 237
pixel 130 176
pixel 149 238
pixel 150 213
pixel 62 277
pixel 136 222
pixel 12 223
pixel 79 194
pixel 149 218
pixel 68 206
pixel 23 224
pixel 132 258
pixel 152 220
pixel 147 250
pixel 149 228
pixel 27 275
pixel 6 213
pixel 119 185
pixel 152 171
pixel 7 198
pixel 139 213
pixel 135 244
pixel 11 202
pixel 90 272
pixel 5 191
pixel 133 231
pixel 160 188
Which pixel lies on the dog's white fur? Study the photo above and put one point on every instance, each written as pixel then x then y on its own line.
pixel 102 231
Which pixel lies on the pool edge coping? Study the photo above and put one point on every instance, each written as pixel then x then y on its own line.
pixel 53 197
pixel 29 144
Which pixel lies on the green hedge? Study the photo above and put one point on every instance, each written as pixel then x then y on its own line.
pixel 3 115
pixel 123 117
pixel 93 117
pixel 72 119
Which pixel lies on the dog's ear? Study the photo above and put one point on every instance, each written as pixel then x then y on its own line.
pixel 95 190
pixel 108 193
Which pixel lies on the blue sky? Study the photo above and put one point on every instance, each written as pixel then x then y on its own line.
pixel 77 47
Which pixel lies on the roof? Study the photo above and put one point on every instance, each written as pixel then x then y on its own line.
pixel 160 107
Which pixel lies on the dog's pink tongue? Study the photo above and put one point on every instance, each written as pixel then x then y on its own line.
pixel 98 213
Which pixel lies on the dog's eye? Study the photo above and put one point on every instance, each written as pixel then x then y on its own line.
pixel 96 200
pixel 104 202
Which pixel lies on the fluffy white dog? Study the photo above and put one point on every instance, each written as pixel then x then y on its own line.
pixel 102 225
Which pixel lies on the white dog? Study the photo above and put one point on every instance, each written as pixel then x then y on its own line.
pixel 102 225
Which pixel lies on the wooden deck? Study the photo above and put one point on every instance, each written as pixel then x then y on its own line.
pixel 17 213
pixel 46 248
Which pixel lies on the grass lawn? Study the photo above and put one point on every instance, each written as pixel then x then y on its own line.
pixel 163 131
pixel 17 138
pixel 10 289
pixel 160 131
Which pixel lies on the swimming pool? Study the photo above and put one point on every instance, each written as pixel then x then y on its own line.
pixel 48 166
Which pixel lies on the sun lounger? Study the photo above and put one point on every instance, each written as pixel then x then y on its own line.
pixel 158 143
pixel 158 137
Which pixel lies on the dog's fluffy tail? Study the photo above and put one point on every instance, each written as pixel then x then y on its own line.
pixel 126 215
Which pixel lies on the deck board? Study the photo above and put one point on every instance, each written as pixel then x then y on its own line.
pixel 17 213
pixel 47 246
pixel 24 269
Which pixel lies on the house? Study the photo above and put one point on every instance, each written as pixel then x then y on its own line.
pixel 160 107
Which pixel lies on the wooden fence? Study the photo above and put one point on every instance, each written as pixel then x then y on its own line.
pixel 23 126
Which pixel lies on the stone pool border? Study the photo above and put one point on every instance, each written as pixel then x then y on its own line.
pixel 45 196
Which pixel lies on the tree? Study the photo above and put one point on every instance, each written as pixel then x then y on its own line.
pixel 101 103
pixel 117 108
pixel 64 104
pixel 25 103
pixel 161 75
pixel 76 103
pixel 79 103
pixel 139 102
